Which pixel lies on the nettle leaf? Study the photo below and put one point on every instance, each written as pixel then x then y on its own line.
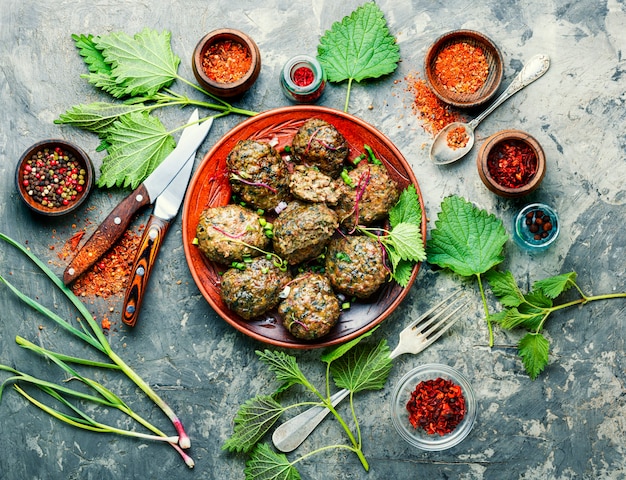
pixel 513 317
pixel 284 366
pixel 92 56
pixel 252 422
pixel 553 287
pixel 142 64
pixel 266 464
pixel 467 240
pixel 97 117
pixel 533 348
pixel 359 47
pixel 407 240
pixel 363 368
pixel 407 209
pixel 504 286
pixel 139 143
pixel 333 354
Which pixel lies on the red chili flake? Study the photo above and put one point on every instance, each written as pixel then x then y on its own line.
pixel 462 68
pixel 433 112
pixel 512 163
pixel 303 76
pixel 226 61
pixel 75 240
pixel 436 406
pixel 457 138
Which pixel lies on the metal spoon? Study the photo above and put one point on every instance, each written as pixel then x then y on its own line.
pixel 441 153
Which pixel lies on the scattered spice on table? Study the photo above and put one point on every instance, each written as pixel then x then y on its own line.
pixel 226 61
pixel 53 178
pixel 462 68
pixel 457 138
pixel 110 275
pixel 539 224
pixel 512 163
pixel 436 406
pixel 434 113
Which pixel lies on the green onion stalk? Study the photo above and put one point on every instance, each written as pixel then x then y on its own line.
pixel 95 338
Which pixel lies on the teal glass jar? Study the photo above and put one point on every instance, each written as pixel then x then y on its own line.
pixel 302 79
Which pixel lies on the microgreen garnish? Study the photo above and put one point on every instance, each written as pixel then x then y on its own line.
pixel 371 155
pixel 91 334
pixel 353 366
pixel 470 242
pixel 139 69
pixel 359 47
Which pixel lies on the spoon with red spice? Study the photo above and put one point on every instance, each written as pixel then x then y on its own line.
pixel 457 138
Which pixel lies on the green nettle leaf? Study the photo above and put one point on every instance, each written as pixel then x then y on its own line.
pixel 402 272
pixel 252 422
pixel 97 117
pixel 284 366
pixel 92 56
pixel 333 354
pixel 363 368
pixel 533 348
pixel 266 464
pixel 467 240
pixel 504 286
pixel 139 143
pixel 407 209
pixel 536 300
pixel 142 64
pixel 407 240
pixel 553 287
pixel 513 317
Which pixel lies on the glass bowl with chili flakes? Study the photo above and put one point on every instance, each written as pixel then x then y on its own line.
pixel 433 407
pixel 54 177
pixel 511 163
pixel 464 68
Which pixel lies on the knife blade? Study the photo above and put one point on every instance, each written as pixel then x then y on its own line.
pixel 165 209
pixel 116 223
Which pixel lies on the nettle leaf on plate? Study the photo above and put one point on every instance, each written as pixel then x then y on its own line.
pixel 252 422
pixel 407 209
pixel 467 240
pixel 142 64
pixel 359 47
pixel 139 143
pixel 363 368
pixel 266 464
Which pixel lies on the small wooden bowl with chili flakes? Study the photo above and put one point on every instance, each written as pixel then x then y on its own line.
pixel 226 62
pixel 464 68
pixel 511 163
pixel 54 177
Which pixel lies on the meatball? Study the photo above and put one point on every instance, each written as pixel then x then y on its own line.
pixel 311 185
pixel 254 290
pixel 318 143
pixel 258 174
pixel 302 230
pixel 375 190
pixel 311 308
pixel 226 234
pixel 355 265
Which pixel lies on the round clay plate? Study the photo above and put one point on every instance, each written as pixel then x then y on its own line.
pixel 209 187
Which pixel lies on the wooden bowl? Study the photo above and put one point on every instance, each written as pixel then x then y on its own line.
pixel 465 97
pixel 28 190
pixel 491 146
pixel 210 187
pixel 227 89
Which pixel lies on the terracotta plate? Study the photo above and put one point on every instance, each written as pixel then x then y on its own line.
pixel 209 187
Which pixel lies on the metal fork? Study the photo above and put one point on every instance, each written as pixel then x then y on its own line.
pixel 416 337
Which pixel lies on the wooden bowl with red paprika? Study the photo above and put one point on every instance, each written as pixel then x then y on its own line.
pixel 54 177
pixel 511 163
pixel 226 62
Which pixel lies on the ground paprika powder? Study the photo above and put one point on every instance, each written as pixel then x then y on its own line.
pixel 462 68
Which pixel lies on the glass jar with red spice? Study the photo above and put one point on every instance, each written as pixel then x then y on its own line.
pixel 302 79
pixel 433 407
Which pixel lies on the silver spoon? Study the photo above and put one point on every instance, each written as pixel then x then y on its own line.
pixel 441 153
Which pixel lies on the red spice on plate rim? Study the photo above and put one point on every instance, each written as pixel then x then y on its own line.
pixel 512 163
pixel 437 406
pixel 226 61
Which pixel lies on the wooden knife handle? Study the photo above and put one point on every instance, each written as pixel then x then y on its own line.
pixel 109 231
pixel 144 261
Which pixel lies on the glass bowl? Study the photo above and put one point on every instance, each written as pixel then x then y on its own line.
pixel 418 437
pixel 544 236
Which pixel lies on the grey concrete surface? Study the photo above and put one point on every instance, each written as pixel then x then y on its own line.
pixel 568 424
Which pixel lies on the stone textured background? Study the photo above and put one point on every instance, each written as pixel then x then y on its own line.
pixel 569 423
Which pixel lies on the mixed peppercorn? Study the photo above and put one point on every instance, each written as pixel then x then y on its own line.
pixel 53 178
pixel 539 224
pixel 436 406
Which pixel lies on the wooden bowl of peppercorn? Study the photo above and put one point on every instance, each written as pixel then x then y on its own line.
pixel 54 177
pixel 511 163
pixel 464 68
pixel 226 62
